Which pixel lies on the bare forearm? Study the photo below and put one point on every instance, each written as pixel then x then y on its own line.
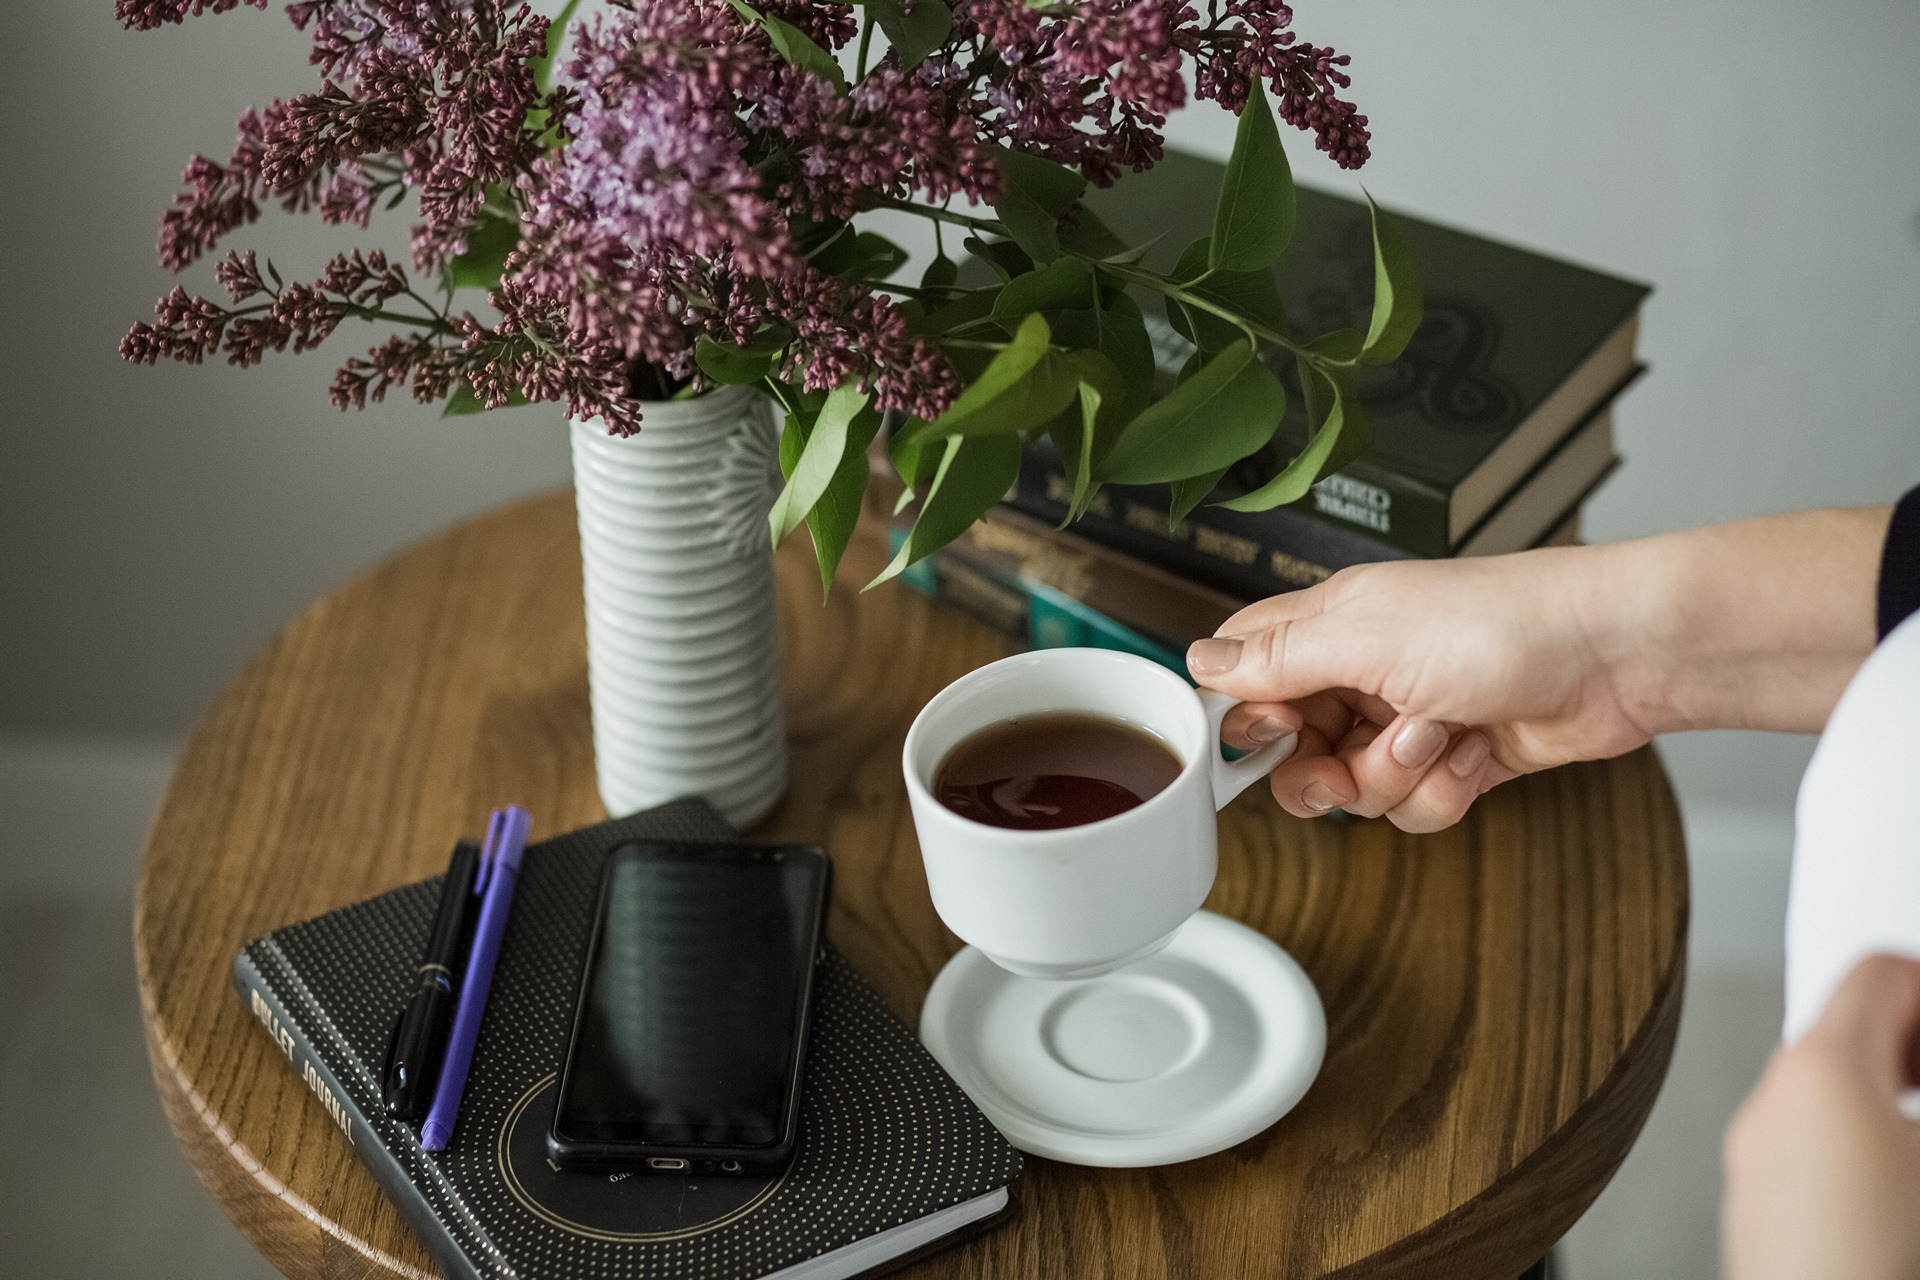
pixel 1753 625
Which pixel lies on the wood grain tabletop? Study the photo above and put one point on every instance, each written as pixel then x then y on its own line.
pixel 1502 997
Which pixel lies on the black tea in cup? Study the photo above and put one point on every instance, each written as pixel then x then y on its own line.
pixel 1058 769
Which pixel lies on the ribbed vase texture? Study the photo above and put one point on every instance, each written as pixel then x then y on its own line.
pixel 683 657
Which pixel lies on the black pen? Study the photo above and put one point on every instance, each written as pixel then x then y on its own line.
pixel 420 1036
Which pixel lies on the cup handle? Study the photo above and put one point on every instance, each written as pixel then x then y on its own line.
pixel 1231 777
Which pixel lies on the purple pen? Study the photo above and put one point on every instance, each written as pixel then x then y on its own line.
pixel 499 870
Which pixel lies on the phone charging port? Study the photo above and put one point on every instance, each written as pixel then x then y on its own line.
pixel 666 1162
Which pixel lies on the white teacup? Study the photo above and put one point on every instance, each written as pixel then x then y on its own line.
pixel 1076 902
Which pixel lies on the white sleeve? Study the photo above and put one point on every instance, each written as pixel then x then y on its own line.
pixel 1856 852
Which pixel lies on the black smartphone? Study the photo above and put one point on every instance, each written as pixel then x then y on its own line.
pixel 690 1028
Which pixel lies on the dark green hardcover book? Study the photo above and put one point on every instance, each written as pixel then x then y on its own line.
pixel 894 1160
pixel 1253 554
pixel 1516 350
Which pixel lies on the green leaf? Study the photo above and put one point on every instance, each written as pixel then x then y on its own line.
pixel 834 517
pixel 1397 302
pixel 728 364
pixel 486 257
pixel 969 307
pixel 1004 256
pixel 1220 415
pixel 809 236
pixel 1342 346
pixel 1119 332
pixel 1034 193
pixel 1019 389
pixel 1031 227
pixel 836 512
pixel 1082 232
pixel 1189 493
pixel 862 255
pixel 1254 219
pixel 1356 435
pixel 542 68
pixel 1343 435
pixel 794 45
pixel 915 33
pixel 1113 400
pixel 911 458
pixel 826 444
pixel 1253 294
pixel 1061 284
pixel 1083 467
pixel 1052 186
pixel 940 273
pixel 463 401
pixel 974 473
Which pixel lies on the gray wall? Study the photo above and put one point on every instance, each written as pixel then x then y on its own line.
pixel 1757 162
pixel 161 523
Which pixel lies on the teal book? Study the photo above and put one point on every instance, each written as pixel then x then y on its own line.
pixel 1516 351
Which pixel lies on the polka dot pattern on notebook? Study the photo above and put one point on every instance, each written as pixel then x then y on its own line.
pixel 885 1136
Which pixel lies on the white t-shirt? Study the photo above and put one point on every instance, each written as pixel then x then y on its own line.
pixel 1856 851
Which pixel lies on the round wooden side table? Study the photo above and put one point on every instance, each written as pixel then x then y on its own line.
pixel 1502 997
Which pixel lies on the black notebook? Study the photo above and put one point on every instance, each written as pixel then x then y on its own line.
pixel 893 1160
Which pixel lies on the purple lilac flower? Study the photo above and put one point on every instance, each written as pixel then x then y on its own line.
pixel 145 15
pixel 660 169
pixel 347 32
pixel 897 134
pixel 654 196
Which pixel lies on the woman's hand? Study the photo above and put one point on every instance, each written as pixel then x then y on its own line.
pixel 1823 1168
pixel 1417 685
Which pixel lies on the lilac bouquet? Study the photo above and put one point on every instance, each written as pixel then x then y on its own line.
pixel 675 206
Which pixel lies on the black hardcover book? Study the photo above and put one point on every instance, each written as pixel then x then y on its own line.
pixel 1515 351
pixel 893 1160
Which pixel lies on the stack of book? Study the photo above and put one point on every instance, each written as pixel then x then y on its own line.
pixel 1490 432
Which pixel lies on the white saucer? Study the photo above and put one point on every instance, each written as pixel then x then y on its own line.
pixel 1174 1057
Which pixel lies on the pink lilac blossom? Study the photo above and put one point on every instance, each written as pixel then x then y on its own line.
pixel 657 161
pixel 896 134
pixel 347 32
pixel 145 15
pixel 654 193
pixel 1092 87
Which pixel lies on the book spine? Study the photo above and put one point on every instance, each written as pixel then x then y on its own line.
pixel 289 1035
pixel 1384 506
pixel 1250 555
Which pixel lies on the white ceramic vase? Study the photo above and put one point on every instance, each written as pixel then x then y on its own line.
pixel 683 656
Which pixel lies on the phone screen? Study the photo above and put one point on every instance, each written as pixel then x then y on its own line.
pixel 694 997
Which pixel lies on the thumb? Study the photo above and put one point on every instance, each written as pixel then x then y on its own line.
pixel 1871 1021
pixel 1290 658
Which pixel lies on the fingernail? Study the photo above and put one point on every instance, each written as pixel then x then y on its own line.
pixel 1320 797
pixel 1267 729
pixel 1469 755
pixel 1213 657
pixel 1417 742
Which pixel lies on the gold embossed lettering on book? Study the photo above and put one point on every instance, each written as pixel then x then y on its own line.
pixel 893 1160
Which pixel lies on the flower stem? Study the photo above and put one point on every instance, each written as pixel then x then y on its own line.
pixel 866 37
pixel 1167 288
pixel 942 215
